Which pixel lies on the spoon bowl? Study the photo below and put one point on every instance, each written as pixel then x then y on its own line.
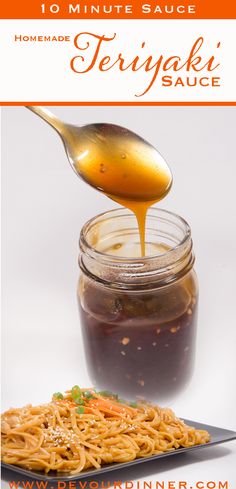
pixel 113 159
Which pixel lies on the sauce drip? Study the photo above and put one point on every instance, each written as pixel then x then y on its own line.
pixel 120 164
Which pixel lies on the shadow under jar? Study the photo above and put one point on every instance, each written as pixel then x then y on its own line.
pixel 138 314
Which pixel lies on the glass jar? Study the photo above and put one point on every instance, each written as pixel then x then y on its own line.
pixel 138 314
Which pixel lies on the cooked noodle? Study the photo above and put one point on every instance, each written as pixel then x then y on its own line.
pixel 85 429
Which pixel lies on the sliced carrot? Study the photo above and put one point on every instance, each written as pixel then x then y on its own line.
pixel 111 407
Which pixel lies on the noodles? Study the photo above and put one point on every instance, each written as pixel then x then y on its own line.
pixel 85 429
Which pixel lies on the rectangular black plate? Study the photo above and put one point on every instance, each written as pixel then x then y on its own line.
pixel 218 435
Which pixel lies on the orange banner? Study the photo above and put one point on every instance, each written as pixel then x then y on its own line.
pixel 115 9
pixel 115 104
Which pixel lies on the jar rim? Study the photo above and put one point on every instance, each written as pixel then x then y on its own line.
pixel 85 245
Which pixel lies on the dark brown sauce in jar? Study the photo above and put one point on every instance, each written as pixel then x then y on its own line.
pixel 138 317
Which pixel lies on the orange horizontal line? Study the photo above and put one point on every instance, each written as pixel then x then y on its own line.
pixel 120 17
pixel 31 9
pixel 115 103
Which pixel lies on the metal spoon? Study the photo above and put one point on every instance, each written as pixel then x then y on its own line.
pixel 113 159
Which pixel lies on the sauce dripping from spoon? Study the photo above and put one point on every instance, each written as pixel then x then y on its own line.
pixel 117 162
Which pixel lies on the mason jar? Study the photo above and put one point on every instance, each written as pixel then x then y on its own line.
pixel 138 314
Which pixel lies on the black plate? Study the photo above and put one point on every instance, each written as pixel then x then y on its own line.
pixel 218 435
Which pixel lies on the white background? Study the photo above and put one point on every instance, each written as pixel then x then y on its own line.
pixel 41 71
pixel 44 207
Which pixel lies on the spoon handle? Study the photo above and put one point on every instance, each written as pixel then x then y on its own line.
pixel 47 116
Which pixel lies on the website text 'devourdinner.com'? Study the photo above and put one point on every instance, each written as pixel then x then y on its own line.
pixel 35 484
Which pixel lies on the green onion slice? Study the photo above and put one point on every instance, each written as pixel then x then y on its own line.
pixel 122 401
pixel 76 395
pixel 108 394
pixel 75 392
pixel 88 395
pixel 80 410
pixel 58 395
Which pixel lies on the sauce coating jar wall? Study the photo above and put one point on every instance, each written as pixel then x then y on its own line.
pixel 138 315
